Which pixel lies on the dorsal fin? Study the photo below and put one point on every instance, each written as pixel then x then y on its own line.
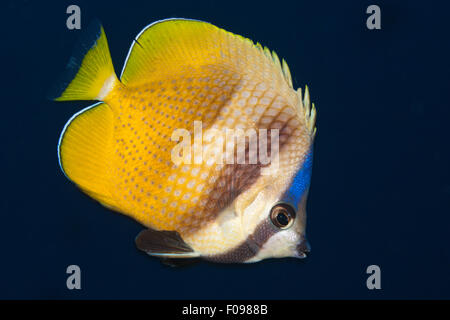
pixel 168 45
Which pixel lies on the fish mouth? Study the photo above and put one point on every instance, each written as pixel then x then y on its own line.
pixel 302 249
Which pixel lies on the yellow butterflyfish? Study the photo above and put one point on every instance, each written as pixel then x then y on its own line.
pixel 180 142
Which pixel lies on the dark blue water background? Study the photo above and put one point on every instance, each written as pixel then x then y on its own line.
pixel 380 190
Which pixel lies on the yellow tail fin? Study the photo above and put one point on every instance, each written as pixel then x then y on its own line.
pixel 90 73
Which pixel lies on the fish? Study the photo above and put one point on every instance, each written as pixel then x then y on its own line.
pixel 152 146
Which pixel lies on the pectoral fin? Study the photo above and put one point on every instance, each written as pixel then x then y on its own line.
pixel 164 244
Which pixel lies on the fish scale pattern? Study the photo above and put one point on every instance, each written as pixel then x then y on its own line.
pixel 165 196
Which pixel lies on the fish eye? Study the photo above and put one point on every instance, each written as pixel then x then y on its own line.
pixel 282 215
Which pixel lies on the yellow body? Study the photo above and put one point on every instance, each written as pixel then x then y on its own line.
pixel 178 72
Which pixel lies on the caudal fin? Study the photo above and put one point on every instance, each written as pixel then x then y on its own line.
pixel 89 75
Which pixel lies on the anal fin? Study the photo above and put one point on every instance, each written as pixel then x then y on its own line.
pixel 84 151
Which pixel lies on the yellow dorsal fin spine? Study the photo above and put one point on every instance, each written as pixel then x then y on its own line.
pixel 267 53
pixel 308 110
pixel 89 75
pixel 276 60
pixel 287 73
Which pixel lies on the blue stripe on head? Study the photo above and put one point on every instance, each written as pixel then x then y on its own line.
pixel 300 183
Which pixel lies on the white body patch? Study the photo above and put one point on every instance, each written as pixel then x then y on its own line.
pixel 277 246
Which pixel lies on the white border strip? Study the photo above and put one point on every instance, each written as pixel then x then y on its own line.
pixel 64 131
pixel 143 30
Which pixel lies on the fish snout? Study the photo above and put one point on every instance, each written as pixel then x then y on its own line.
pixel 302 249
